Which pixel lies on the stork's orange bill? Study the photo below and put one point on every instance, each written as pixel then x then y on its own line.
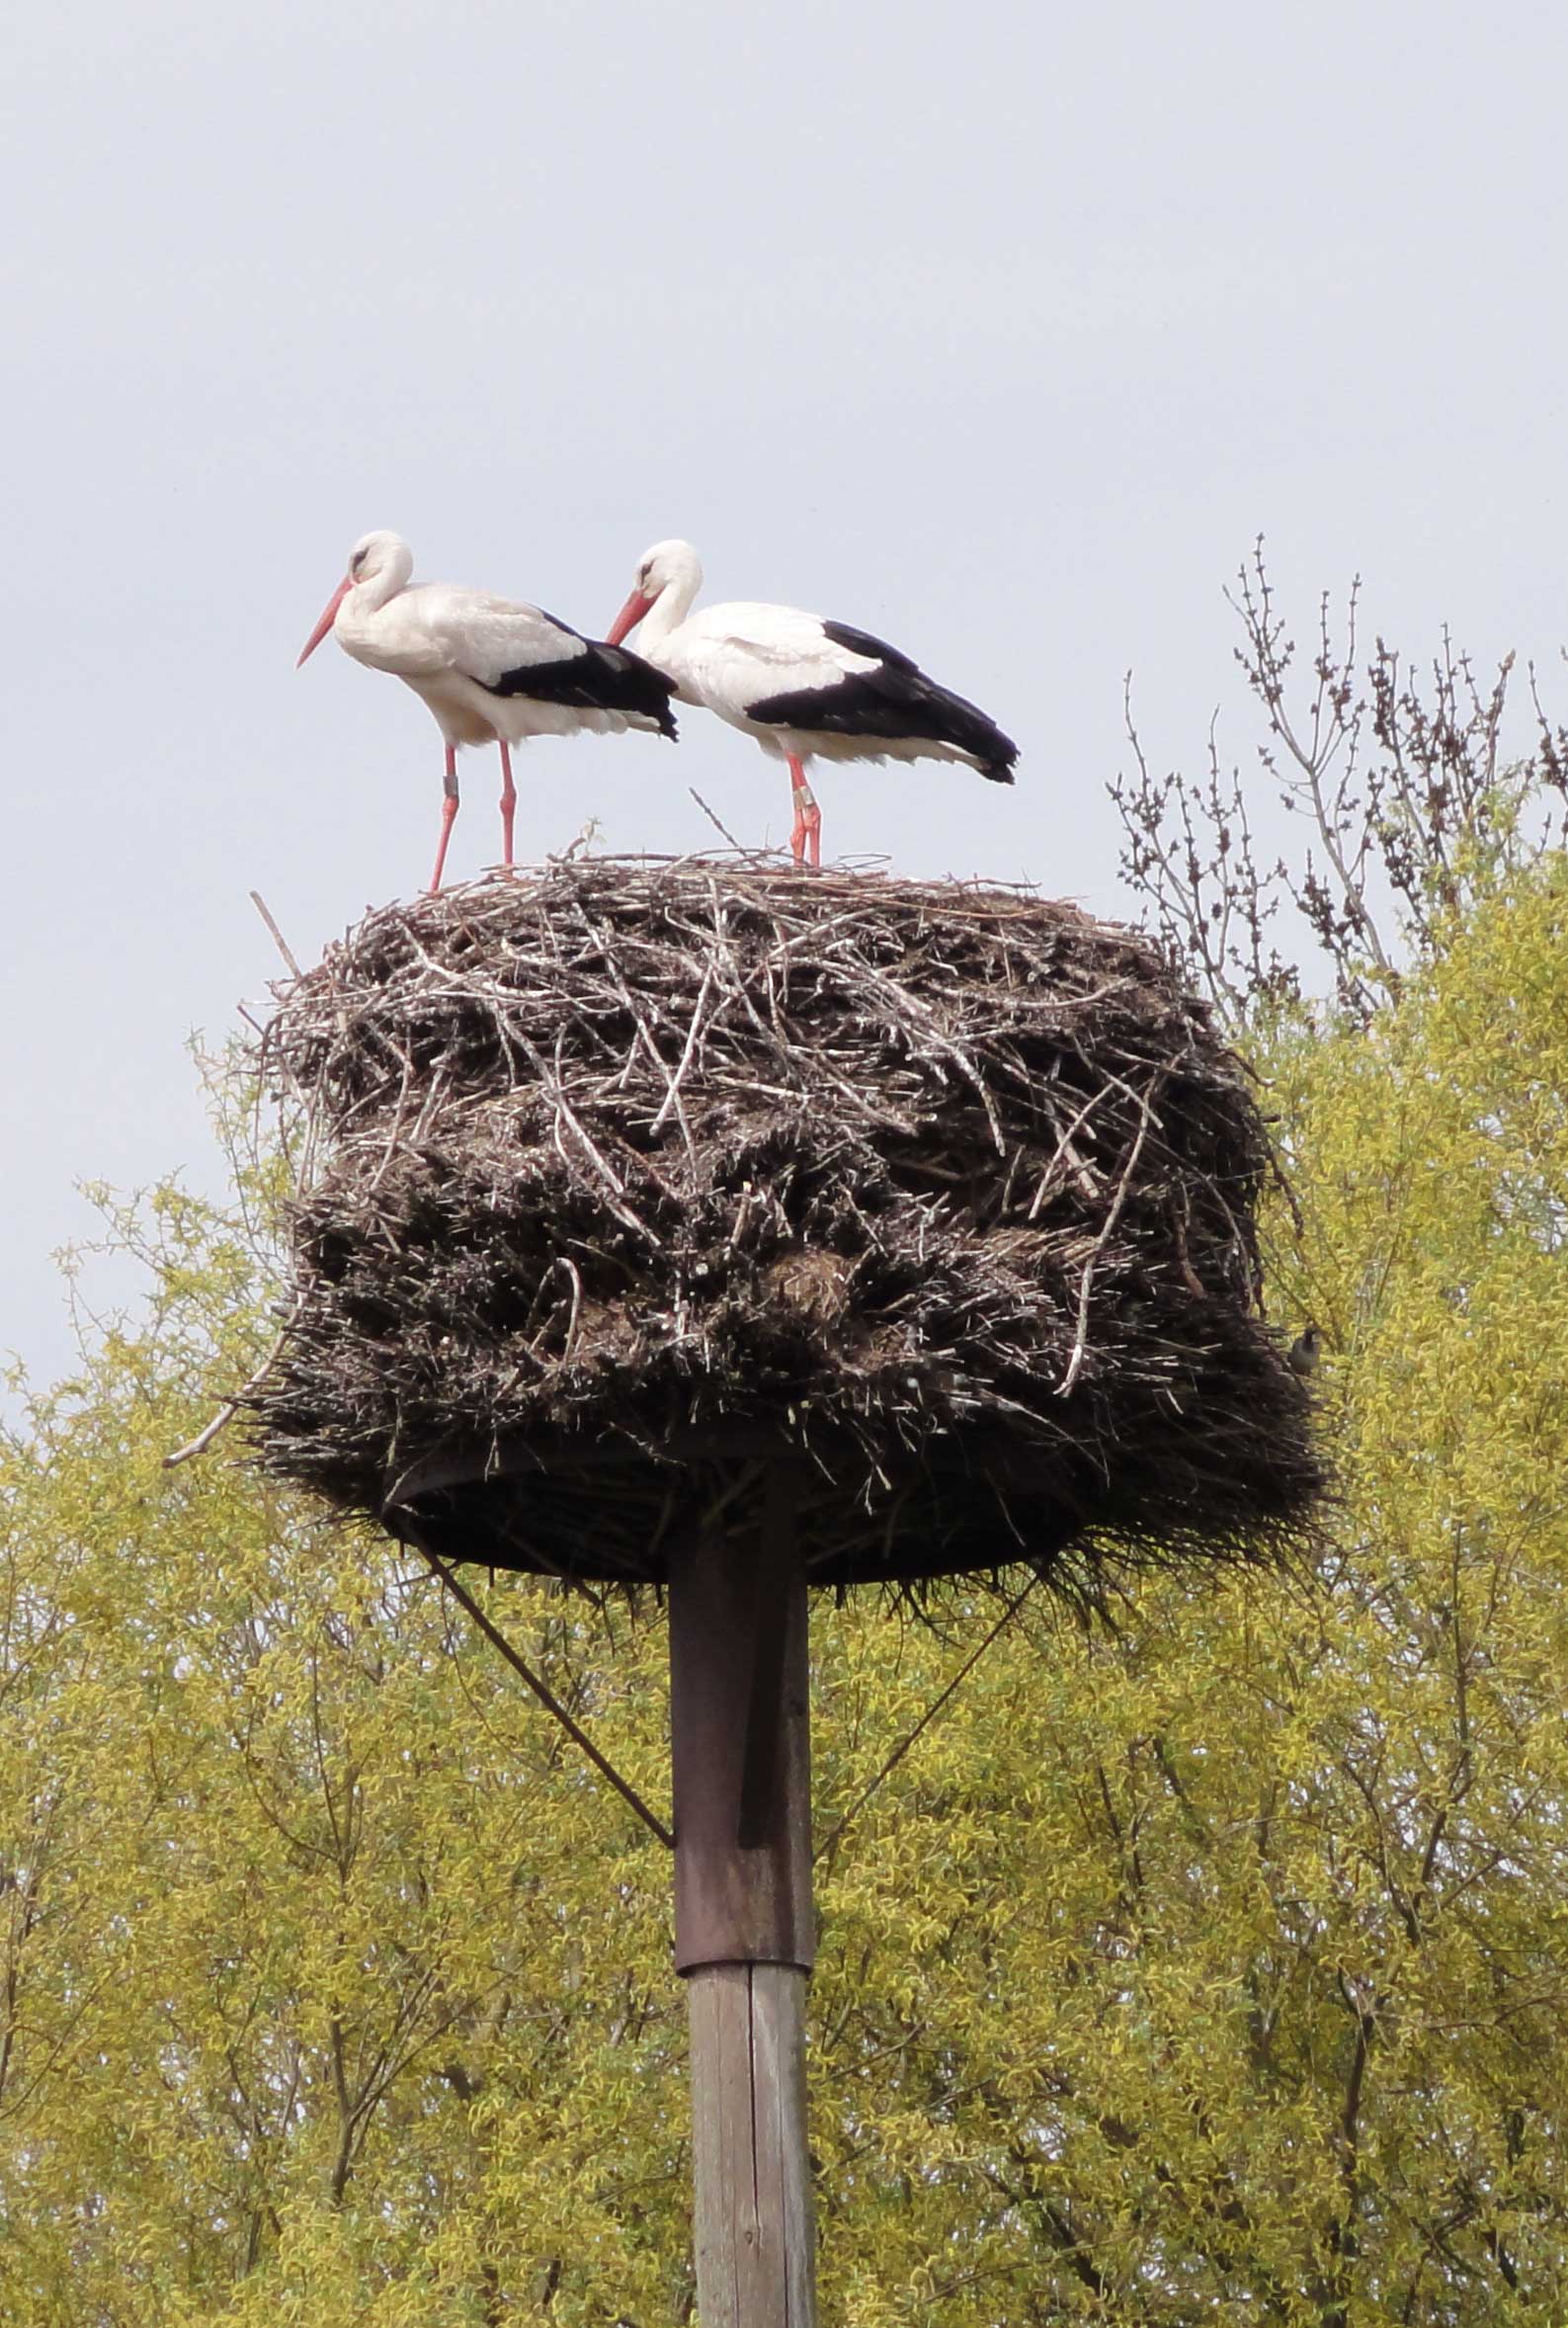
pixel 329 615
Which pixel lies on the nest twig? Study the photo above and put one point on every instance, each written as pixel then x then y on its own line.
pixel 628 1180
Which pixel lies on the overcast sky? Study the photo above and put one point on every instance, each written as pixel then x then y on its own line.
pixel 997 329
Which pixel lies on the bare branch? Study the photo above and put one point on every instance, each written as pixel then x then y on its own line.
pixel 1402 784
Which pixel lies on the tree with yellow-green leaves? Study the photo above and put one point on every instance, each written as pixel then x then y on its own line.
pixel 1208 1959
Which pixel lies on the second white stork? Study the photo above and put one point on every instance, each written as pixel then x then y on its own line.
pixel 806 688
pixel 491 670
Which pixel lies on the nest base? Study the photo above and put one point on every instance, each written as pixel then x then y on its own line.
pixel 503 1504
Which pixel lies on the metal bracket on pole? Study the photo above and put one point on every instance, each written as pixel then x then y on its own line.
pixel 740 1724
pixel 770 1638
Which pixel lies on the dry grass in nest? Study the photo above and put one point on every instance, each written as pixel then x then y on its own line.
pixel 629 1179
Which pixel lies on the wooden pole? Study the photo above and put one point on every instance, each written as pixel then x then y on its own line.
pixel 756 2265
pixel 744 1938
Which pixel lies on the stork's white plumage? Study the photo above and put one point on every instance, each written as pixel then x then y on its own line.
pixel 491 670
pixel 806 688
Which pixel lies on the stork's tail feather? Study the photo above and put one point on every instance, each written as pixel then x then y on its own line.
pixel 953 719
pixel 628 684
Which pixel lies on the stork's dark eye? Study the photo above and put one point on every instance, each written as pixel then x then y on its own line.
pixel 358 560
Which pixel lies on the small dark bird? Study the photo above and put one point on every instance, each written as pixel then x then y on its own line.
pixel 1305 1350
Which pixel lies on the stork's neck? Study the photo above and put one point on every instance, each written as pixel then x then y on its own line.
pixel 366 599
pixel 669 610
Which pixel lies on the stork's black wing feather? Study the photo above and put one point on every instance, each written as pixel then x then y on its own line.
pixel 895 700
pixel 863 642
pixel 601 679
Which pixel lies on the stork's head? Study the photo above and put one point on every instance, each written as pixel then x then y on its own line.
pixel 672 566
pixel 379 553
pixel 380 563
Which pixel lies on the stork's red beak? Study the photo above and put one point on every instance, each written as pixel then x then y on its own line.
pixel 630 617
pixel 329 615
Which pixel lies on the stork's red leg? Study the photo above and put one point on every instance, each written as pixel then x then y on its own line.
pixel 508 804
pixel 807 837
pixel 449 811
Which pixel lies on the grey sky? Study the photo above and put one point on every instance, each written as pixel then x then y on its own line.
pixel 1000 330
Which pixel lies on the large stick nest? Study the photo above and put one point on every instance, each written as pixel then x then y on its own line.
pixel 628 1180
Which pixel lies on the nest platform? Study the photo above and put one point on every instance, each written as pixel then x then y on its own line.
pixel 628 1182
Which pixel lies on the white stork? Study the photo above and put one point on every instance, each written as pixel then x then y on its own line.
pixel 492 671
pixel 806 688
